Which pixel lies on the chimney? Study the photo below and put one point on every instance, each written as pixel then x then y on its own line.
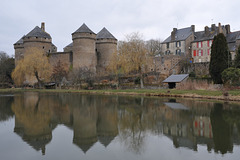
pixel 207 32
pixel 213 27
pixel 227 27
pixel 43 26
pixel 193 28
pixel 173 34
pixel 220 30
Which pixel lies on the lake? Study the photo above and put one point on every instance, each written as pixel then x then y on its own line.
pixel 55 126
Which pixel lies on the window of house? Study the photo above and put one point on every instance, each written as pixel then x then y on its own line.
pixel 194 53
pixel 178 44
pixel 199 44
pixel 167 45
pixel 179 52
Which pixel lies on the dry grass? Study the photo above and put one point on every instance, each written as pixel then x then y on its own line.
pixel 198 85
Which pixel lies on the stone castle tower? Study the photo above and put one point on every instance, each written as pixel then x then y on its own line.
pixel 106 45
pixel 84 44
pixel 37 38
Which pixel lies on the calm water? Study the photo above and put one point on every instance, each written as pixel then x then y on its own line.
pixel 36 126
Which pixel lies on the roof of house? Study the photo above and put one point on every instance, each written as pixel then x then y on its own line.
pixel 176 78
pixel 232 47
pixel 233 36
pixel 20 41
pixel 201 36
pixel 105 34
pixel 181 35
pixel 38 32
pixel 84 29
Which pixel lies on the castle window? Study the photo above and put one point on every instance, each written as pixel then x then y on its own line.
pixel 167 45
pixel 36 37
pixel 43 47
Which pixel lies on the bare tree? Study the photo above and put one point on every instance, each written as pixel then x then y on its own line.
pixel 154 47
pixel 131 56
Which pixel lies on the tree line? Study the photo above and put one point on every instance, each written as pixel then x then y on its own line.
pixel 131 58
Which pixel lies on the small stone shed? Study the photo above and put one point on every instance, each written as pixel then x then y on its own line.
pixel 173 80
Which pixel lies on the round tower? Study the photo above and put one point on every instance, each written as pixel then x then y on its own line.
pixel 84 54
pixel 38 39
pixel 106 45
pixel 19 50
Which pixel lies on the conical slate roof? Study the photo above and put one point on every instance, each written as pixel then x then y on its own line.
pixel 38 32
pixel 84 29
pixel 105 34
pixel 20 41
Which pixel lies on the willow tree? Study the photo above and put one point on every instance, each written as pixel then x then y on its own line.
pixel 35 64
pixel 130 57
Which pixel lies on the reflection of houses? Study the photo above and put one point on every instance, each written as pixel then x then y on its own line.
pixel 202 126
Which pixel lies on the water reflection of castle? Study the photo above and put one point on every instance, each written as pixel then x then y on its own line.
pixel 102 118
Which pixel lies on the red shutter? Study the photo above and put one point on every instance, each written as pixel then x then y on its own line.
pixel 208 43
pixel 197 52
pixel 197 44
pixel 202 53
pixel 201 44
pixel 194 53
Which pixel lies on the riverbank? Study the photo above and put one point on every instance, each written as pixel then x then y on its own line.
pixel 232 95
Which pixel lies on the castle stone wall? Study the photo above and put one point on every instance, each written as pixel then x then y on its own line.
pixel 63 57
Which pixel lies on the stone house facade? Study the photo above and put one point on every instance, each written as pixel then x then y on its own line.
pixel 86 50
pixel 201 46
pixel 178 43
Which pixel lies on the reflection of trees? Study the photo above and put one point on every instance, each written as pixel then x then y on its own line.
pixel 5 107
pixel 132 129
pixel 221 130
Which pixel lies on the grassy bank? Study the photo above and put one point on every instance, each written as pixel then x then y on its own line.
pixel 233 95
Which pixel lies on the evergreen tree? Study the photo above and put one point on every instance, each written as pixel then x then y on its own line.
pixel 237 59
pixel 220 58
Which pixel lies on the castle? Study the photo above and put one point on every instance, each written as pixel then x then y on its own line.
pixel 86 50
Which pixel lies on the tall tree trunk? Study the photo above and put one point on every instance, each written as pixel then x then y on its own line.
pixel 39 81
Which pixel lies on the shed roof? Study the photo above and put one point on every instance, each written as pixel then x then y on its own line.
pixel 176 78
pixel 181 35
pixel 84 29
pixel 38 32
pixel 176 106
pixel 105 34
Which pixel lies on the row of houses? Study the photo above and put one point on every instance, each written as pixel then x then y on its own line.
pixel 197 45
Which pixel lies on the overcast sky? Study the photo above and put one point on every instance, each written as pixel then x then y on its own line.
pixel 152 18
